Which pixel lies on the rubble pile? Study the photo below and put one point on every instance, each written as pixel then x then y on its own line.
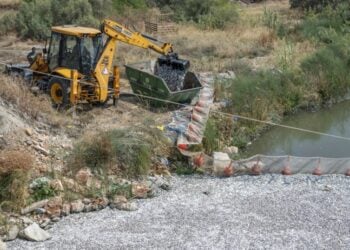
pixel 174 78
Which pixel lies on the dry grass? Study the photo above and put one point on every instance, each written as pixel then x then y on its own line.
pixel 9 3
pixel 18 94
pixel 11 160
pixel 15 167
pixel 249 41
pixel 14 91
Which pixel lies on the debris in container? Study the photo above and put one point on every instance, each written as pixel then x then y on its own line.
pixel 174 78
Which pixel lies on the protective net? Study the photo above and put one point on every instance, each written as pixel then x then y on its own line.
pixel 293 165
pixel 220 164
pixel 189 122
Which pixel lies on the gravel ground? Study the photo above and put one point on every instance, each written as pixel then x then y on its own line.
pixel 245 212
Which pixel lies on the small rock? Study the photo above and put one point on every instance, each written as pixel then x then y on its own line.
pixel 55 201
pixel 40 211
pixel 231 150
pixel 45 222
pixel 95 207
pixel 67 146
pixel 128 207
pixel 35 233
pixel 26 221
pixel 140 191
pixel 70 183
pixel 55 219
pixel 56 185
pixel 327 188
pixel 117 201
pixel 28 131
pixel 28 142
pixel 66 207
pixel 34 206
pixel 2 245
pixel 54 206
pixel 77 206
pixel 101 202
pixel 41 150
pixel 121 203
pixel 86 201
pixel 165 186
pixel 83 176
pixel 88 208
pixel 13 232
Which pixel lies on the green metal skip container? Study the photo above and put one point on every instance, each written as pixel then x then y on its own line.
pixel 144 81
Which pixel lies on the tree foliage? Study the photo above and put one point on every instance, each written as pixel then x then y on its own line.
pixel 317 5
pixel 209 14
pixel 35 17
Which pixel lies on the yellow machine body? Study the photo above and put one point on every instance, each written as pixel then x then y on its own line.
pixel 85 72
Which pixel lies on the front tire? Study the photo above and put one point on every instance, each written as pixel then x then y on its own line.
pixel 59 91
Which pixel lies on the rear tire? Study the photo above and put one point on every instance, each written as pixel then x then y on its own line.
pixel 59 91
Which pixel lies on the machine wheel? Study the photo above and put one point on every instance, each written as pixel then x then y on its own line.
pixel 103 104
pixel 59 91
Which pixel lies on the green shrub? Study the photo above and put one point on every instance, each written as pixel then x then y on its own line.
pixel 327 70
pixel 132 153
pixel 317 5
pixel 211 137
pixel 42 190
pixel 128 152
pixel 8 23
pixel 328 25
pixel 121 5
pixel 120 189
pixel 35 18
pixel 210 14
pixel 272 20
pixel 219 17
pixel 184 170
pixel 265 95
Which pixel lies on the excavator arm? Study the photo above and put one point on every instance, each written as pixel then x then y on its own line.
pixel 121 33
pixel 117 32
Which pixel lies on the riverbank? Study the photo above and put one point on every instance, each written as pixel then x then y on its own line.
pixel 269 211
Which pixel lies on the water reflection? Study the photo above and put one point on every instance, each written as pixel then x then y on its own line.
pixel 282 141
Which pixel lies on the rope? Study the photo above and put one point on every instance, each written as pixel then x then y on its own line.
pixel 213 111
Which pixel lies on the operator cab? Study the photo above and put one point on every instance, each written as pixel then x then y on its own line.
pixel 74 47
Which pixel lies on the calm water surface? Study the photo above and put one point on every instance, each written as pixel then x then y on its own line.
pixel 282 141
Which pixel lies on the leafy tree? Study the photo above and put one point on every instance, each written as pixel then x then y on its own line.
pixel 34 19
pixel 120 5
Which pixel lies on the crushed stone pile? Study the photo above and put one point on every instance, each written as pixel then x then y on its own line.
pixel 244 212
pixel 174 78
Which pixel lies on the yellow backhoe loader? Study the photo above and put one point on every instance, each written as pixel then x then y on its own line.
pixel 77 66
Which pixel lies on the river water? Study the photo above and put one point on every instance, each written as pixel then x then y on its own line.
pixel 282 141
